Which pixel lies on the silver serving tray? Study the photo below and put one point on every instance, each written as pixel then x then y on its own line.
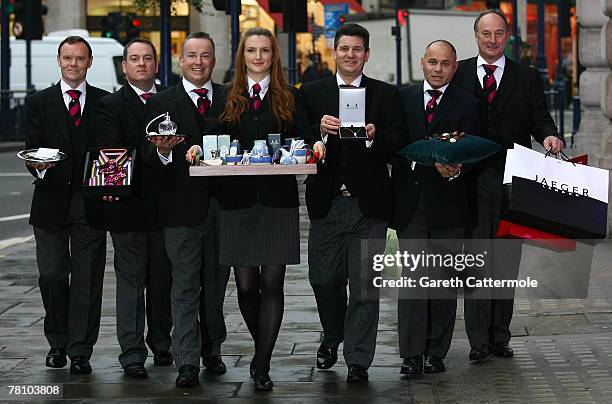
pixel 168 136
pixel 28 155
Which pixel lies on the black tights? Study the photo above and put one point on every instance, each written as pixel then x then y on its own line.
pixel 262 301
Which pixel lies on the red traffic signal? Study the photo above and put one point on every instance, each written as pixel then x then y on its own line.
pixel 342 19
pixel 135 23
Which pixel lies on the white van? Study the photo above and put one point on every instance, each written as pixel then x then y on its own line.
pixel 105 71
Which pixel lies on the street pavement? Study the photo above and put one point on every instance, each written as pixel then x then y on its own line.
pixel 563 350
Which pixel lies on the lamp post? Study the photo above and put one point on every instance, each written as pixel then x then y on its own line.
pixel 5 67
pixel 516 50
pixel 398 45
pixel 541 56
pixel 166 52
pixel 560 76
pixel 236 5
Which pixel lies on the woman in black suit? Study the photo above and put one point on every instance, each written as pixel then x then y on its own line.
pixel 259 214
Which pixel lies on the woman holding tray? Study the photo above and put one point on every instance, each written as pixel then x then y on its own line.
pixel 259 217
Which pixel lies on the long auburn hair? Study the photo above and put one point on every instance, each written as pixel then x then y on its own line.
pixel 281 99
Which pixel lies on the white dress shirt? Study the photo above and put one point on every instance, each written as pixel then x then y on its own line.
pixel 139 92
pixel 65 87
pixel 354 83
pixel 189 87
pixel 81 87
pixel 498 73
pixel 427 96
pixel 264 84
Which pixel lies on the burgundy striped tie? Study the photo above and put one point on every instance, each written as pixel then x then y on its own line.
pixel 256 99
pixel 203 101
pixel 146 96
pixel 74 107
pixel 430 108
pixel 488 82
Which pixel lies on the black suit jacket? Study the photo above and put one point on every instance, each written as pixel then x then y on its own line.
pixel 183 199
pixel 521 106
pixel 47 126
pixel 367 175
pixel 121 123
pixel 445 202
pixel 276 191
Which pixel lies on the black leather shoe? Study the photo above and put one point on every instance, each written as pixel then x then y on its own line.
pixel 80 366
pixel 252 369
pixel 478 353
pixel 433 364
pixel 262 382
pixel 357 374
pixel 326 357
pixel 412 366
pixel 214 364
pixel 56 358
pixel 135 371
pixel 162 358
pixel 503 350
pixel 188 376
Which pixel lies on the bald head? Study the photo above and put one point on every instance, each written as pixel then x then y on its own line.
pixel 439 63
pixel 442 42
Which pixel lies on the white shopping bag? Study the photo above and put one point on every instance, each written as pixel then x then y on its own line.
pixel 557 175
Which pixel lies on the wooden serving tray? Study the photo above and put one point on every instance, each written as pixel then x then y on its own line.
pixel 252 169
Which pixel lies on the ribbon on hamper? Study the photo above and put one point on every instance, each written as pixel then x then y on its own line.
pixel 111 166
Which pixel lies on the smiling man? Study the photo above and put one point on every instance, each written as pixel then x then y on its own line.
pixel 70 252
pixel 186 208
pixel 349 200
pixel 512 110
pixel 428 204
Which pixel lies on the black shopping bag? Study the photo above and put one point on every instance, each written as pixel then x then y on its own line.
pixel 555 210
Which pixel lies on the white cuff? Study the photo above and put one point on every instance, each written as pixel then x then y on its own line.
pixel 454 176
pixel 165 160
pixel 324 137
pixel 369 143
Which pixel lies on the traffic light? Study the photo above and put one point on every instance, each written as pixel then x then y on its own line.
pixel 275 6
pixel 226 5
pixel 132 27
pixel 20 25
pixel 564 15
pixel 493 4
pixel 342 19
pixel 295 14
pixel 111 25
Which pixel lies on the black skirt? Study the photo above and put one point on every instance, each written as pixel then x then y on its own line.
pixel 259 235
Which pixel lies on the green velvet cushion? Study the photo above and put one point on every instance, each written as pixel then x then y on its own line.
pixel 469 149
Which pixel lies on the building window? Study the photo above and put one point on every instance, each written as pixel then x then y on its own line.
pixel 103 7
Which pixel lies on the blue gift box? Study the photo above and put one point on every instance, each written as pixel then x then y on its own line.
pixel 260 160
pixel 233 159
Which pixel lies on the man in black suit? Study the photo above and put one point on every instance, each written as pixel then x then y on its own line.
pixel 184 200
pixel 63 117
pixel 430 202
pixel 140 256
pixel 349 200
pixel 512 110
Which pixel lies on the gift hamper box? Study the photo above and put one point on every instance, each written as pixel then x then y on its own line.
pixel 109 172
